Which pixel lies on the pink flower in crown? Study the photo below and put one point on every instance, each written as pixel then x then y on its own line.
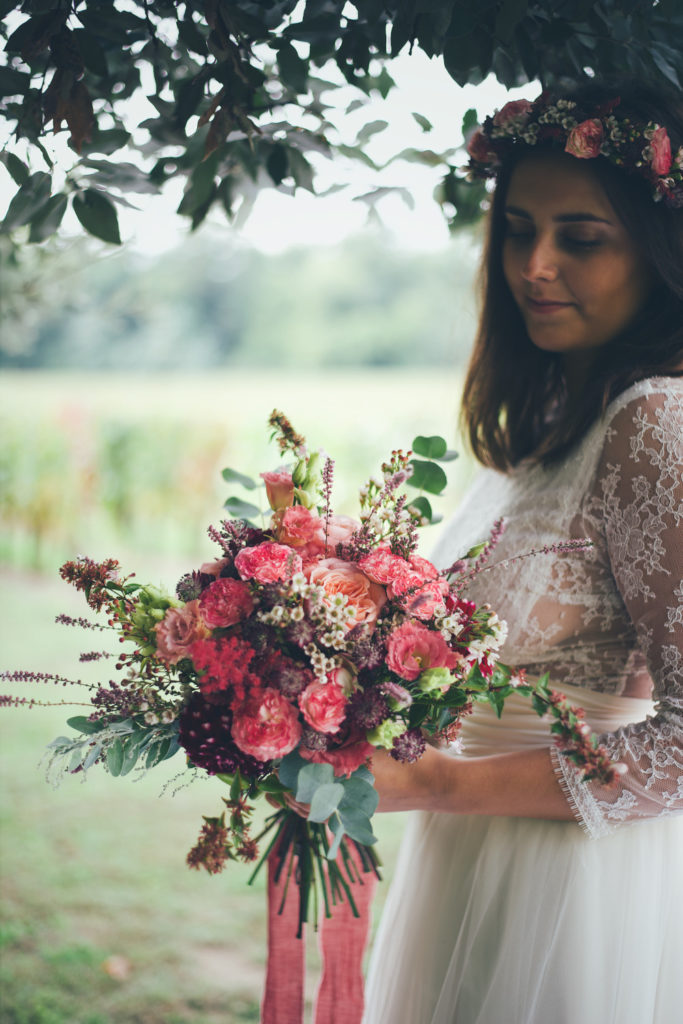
pixel 412 648
pixel 349 755
pixel 585 140
pixel 479 148
pixel 225 603
pixel 324 704
pixel 178 630
pixel 336 576
pixel 299 526
pixel 268 563
pixel 514 110
pixel 660 151
pixel 266 726
pixel 279 489
pixel 419 597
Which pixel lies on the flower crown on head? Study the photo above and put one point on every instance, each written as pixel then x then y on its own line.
pixel 638 148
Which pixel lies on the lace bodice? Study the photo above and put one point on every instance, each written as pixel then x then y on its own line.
pixel 609 618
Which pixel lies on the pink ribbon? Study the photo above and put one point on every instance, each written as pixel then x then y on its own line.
pixel 342 940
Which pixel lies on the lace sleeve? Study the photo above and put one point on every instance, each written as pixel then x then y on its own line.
pixel 639 492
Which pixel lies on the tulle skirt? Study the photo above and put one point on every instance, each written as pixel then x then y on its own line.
pixel 522 921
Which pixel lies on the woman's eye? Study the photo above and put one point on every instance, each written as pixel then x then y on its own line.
pixel 518 235
pixel 581 243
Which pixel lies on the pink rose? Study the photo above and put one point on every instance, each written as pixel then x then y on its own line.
pixel 178 630
pixel 585 140
pixel 419 597
pixel 479 148
pixel 514 110
pixel 268 563
pixel 340 530
pixel 279 489
pixel 382 566
pixel 336 576
pixel 324 704
pixel 266 725
pixel 225 603
pixel 412 648
pixel 299 526
pixel 351 754
pixel 660 149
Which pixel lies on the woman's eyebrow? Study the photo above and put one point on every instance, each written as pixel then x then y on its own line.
pixel 563 218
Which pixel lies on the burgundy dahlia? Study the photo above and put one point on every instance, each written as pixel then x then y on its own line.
pixel 409 747
pixel 204 735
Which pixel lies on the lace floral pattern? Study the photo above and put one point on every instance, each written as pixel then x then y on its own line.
pixel 609 619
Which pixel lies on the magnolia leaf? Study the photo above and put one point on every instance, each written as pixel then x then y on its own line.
pixel 241 509
pixel 433 447
pixel 232 476
pixel 93 754
pixel 325 801
pixel 290 766
pixel 115 758
pixel 427 476
pixel 83 724
pixel 311 778
pixel 97 214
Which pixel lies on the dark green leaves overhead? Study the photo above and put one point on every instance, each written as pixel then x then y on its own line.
pixel 223 72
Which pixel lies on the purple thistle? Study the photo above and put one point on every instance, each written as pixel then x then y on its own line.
pixel 300 633
pixel 190 586
pixel 313 740
pixel 409 747
pixel 367 649
pixel 368 708
pixel 290 677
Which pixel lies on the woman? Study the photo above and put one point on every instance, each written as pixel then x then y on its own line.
pixel 523 895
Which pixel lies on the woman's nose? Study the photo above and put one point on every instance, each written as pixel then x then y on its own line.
pixel 541 264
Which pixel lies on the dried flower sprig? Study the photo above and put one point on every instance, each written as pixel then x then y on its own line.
pixel 284 433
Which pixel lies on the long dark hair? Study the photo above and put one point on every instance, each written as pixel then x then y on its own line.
pixel 513 398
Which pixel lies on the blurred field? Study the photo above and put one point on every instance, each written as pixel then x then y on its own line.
pixel 101 919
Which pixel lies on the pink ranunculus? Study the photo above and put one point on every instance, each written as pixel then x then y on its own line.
pixel 178 630
pixel 585 140
pixel 424 567
pixel 279 489
pixel 660 148
pixel 226 602
pixel 324 704
pixel 412 648
pixel 336 576
pixel 214 568
pixel 382 566
pixel 351 754
pixel 419 597
pixel 479 148
pixel 299 526
pixel 268 562
pixel 512 111
pixel 266 726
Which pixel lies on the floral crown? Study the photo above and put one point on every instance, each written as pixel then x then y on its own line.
pixel 638 148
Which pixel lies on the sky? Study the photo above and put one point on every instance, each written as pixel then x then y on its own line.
pixel 278 221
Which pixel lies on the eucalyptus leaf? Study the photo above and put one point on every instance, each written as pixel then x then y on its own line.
pixel 241 509
pixel 427 476
pixel 337 828
pixel 290 766
pixel 311 778
pixel 232 476
pixel 433 447
pixel 325 801
pixel 364 773
pixel 359 796
pixel 358 826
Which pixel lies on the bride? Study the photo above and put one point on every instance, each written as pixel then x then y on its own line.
pixel 522 894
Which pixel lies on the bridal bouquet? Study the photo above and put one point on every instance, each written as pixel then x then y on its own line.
pixel 312 639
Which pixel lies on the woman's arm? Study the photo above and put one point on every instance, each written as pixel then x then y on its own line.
pixel 522 784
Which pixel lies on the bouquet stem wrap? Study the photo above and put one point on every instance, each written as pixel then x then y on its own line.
pixel 342 938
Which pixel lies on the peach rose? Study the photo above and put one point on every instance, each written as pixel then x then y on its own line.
pixel 178 630
pixel 585 140
pixel 279 489
pixel 266 726
pixel 268 563
pixel 660 149
pixel 336 576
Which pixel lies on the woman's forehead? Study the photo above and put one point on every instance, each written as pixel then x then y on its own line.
pixel 558 184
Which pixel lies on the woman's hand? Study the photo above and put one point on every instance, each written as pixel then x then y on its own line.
pixel 294 805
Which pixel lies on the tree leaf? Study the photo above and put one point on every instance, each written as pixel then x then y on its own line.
pixel 16 167
pixel 26 203
pixel 325 801
pixel 241 509
pixel 48 218
pixel 424 122
pixel 427 476
pixel 98 215
pixel 370 129
pixel 433 447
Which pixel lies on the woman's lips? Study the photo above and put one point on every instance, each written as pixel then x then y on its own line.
pixel 545 306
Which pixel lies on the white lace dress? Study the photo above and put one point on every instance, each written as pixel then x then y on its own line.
pixel 521 921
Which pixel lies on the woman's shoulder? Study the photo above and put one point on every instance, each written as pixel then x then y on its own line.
pixel 649 394
pixel 644 425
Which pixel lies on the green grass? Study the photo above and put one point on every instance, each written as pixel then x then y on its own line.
pixel 95 869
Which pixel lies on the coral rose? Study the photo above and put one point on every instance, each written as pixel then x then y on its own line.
pixel 266 726
pixel 279 489
pixel 324 704
pixel 299 526
pixel 660 150
pixel 178 630
pixel 226 602
pixel 514 110
pixel 479 148
pixel 336 576
pixel 585 140
pixel 412 648
pixel 268 563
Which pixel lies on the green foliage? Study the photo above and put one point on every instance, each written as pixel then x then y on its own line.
pixel 237 87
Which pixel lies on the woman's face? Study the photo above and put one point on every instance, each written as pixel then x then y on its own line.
pixel 573 270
